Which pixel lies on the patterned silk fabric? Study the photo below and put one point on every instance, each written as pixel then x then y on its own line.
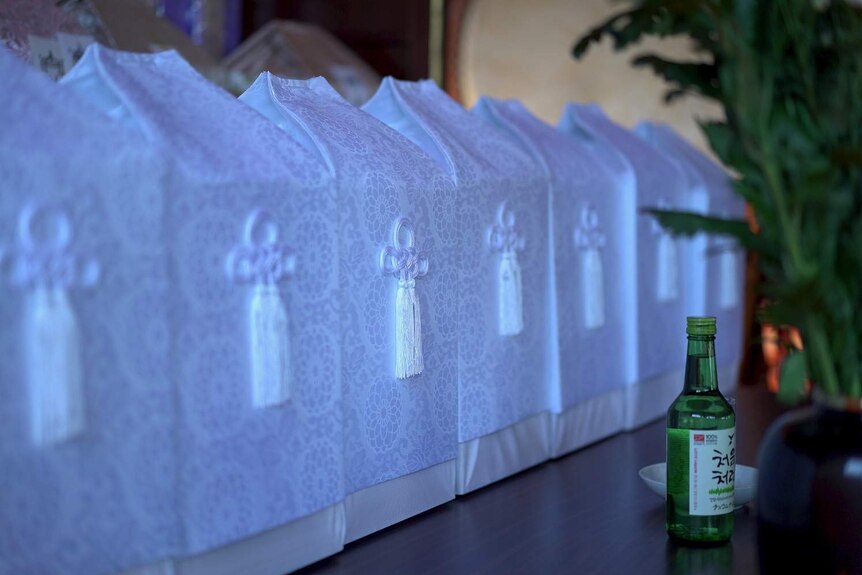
pixel 392 427
pixel 589 212
pixel 660 184
pixel 243 469
pixel 725 264
pixel 104 500
pixel 501 378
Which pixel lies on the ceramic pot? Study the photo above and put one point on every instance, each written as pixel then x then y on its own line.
pixel 810 490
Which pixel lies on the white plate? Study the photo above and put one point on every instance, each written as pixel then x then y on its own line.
pixel 655 476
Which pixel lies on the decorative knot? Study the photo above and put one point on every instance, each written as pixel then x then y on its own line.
pixel 503 236
pixel 261 258
pixel 402 259
pixel 588 233
pixel 44 257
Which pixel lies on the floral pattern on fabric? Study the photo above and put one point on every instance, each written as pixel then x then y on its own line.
pixel 228 162
pixel 487 169
pixel 103 502
pixel 381 177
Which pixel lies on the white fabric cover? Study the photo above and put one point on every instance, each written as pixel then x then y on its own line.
pixel 243 469
pixel 724 265
pixel 660 319
pixel 588 422
pixel 649 399
pixel 381 505
pixel 484 460
pixel 393 428
pixel 274 552
pixel 103 500
pixel 501 378
pixel 697 200
pixel 594 285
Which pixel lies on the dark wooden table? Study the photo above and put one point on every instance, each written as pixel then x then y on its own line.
pixel 584 513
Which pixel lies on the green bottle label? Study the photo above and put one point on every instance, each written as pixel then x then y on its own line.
pixel 701 468
pixel 712 471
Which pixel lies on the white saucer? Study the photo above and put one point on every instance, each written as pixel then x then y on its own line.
pixel 655 476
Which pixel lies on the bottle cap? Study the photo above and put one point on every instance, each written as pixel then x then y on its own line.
pixel 700 325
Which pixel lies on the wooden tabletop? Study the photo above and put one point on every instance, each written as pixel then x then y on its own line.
pixel 585 513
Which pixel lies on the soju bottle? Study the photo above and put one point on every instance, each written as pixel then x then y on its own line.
pixel 701 446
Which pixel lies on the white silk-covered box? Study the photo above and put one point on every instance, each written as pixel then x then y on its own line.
pixel 720 262
pixel 398 269
pixel 593 271
pixel 250 230
pixel 660 261
pixel 694 249
pixel 501 218
pixel 86 408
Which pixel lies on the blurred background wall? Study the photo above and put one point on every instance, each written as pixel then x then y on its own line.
pixel 517 49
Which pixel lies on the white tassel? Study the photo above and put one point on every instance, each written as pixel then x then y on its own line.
pixel 54 367
pixel 668 280
pixel 594 289
pixel 262 261
pixel 270 347
pixel 504 238
pixel 589 238
pixel 730 288
pixel 511 304
pixel 406 262
pixel 408 331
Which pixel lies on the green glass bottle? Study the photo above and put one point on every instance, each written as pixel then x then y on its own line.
pixel 701 446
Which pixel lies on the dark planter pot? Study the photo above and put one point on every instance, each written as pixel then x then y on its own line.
pixel 809 491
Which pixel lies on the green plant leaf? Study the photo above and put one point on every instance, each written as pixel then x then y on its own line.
pixel 725 143
pixel 690 223
pixel 791 383
pixel 595 35
pixel 699 77
pixel 651 17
